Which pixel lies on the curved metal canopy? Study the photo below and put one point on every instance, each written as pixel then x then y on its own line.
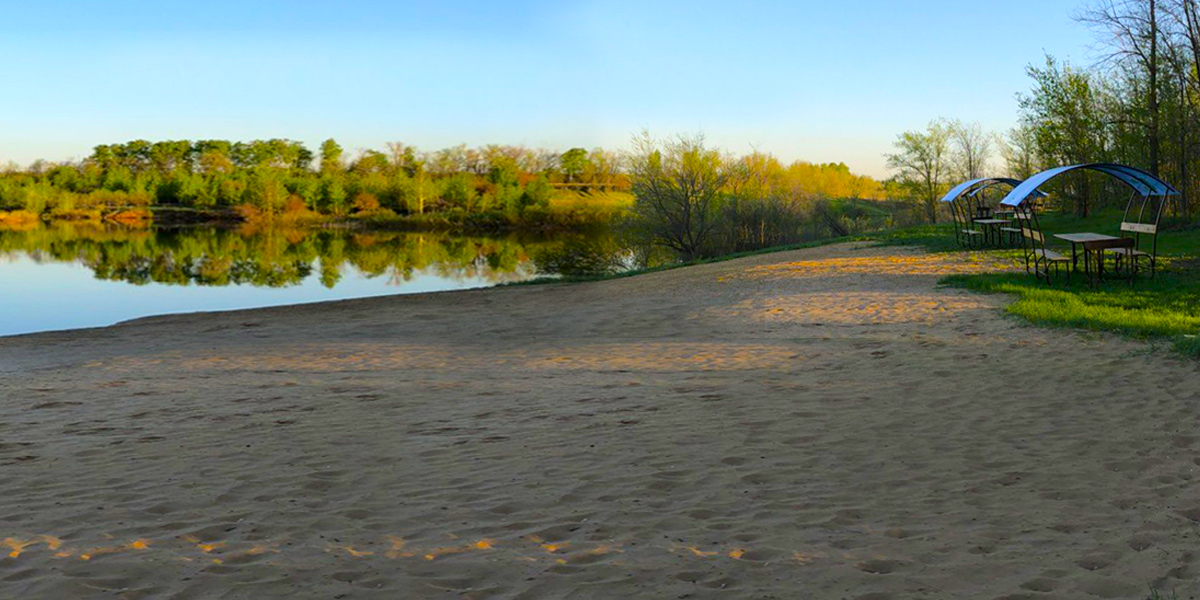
pixel 1141 181
pixel 975 185
pixel 979 189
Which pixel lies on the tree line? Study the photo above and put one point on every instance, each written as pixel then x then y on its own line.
pixel 265 179
pixel 699 201
pixel 1138 105
pixel 272 177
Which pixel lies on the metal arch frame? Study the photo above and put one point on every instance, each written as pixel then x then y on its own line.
pixel 962 215
pixel 1141 182
pixel 1144 185
pixel 967 191
pixel 976 185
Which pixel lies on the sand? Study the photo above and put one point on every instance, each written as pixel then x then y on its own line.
pixel 825 423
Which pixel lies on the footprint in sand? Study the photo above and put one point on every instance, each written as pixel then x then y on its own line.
pixel 1040 584
pixel 878 566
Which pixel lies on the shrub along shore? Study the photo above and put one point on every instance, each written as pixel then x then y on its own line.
pixel 679 195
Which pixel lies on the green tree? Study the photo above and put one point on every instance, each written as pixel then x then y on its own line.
pixel 265 191
pixel 922 164
pixel 1065 112
pixel 331 156
pixel 333 194
pixel 574 163
pixel 458 191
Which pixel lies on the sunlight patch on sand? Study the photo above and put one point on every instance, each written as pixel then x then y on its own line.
pixel 631 356
pixel 903 264
pixel 668 356
pixel 852 308
pixel 526 549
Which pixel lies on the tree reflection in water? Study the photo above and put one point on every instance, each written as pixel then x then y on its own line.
pixel 279 256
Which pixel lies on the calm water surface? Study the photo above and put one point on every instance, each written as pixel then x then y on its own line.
pixel 68 275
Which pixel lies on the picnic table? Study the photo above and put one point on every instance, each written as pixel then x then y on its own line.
pixel 1091 242
pixel 1013 213
pixel 992 227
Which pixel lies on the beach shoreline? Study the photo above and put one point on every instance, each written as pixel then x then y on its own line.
pixel 825 422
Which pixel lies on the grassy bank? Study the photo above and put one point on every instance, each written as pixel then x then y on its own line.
pixel 1165 309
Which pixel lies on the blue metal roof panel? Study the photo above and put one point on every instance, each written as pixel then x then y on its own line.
pixel 993 182
pixel 1141 181
pixel 958 190
pixel 1029 186
pixel 974 186
pixel 1130 179
pixel 1157 186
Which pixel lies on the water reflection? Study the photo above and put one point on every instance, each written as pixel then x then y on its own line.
pixel 276 257
pixel 303 264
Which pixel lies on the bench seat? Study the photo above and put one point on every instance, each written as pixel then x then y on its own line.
pixel 1051 255
pixel 1127 251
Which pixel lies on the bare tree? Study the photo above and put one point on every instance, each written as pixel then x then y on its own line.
pixel 1186 17
pixel 1183 54
pixel 972 146
pixel 678 186
pixel 545 161
pixel 1019 149
pixel 1135 31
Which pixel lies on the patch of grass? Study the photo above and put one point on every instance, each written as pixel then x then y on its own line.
pixel 1165 308
pixel 1176 239
pixel 601 204
pixel 1188 346
pixel 1157 595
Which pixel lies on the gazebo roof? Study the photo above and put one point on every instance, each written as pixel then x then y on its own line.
pixel 1141 181
pixel 974 185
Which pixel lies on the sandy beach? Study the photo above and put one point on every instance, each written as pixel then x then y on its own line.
pixel 823 423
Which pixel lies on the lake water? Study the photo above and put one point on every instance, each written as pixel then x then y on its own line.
pixel 70 275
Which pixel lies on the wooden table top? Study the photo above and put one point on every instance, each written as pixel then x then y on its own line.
pixel 1080 238
pixel 992 221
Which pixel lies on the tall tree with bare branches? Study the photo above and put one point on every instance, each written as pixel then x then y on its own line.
pixel 972 148
pixel 1135 33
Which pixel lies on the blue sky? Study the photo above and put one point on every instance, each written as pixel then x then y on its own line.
pixel 818 81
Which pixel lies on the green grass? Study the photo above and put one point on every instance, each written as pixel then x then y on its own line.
pixel 1166 308
pixel 1163 309
pixel 1176 240
pixel 1157 595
